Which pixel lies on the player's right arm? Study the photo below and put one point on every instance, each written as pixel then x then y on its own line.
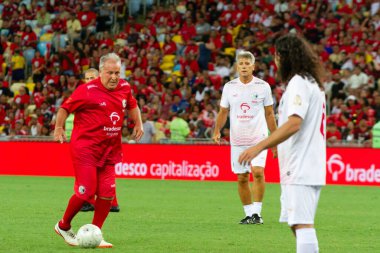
pixel 221 120
pixel 59 131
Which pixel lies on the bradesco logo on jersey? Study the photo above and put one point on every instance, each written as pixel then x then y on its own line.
pixel 242 114
pixel 113 131
pixel 341 170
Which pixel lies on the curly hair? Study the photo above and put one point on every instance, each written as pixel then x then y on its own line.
pixel 296 56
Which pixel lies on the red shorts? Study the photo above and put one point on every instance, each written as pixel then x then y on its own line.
pixel 91 180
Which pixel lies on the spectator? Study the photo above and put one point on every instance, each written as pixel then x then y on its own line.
pixel 18 66
pixel 332 134
pixel 73 28
pixel 149 130
pixel 179 128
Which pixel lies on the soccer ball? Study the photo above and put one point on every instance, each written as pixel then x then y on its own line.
pixel 89 236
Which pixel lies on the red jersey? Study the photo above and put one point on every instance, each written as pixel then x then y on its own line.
pixel 99 115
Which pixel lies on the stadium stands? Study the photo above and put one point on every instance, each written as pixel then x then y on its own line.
pixel 171 44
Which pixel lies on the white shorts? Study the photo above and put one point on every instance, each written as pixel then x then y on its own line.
pixel 299 203
pixel 237 168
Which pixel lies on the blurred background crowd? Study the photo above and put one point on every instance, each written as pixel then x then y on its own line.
pixel 177 55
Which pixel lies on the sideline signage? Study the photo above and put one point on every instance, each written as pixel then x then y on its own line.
pixel 345 166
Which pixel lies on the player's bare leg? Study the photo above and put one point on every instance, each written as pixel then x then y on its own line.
pixel 245 197
pixel 258 190
pixel 306 237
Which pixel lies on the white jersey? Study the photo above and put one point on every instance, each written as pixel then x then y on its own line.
pixel 248 125
pixel 302 157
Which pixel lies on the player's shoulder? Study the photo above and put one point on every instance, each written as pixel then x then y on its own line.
pixel 300 82
pixel 232 82
pixel 123 84
pixel 260 82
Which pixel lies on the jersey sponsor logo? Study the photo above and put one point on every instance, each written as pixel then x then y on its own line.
pixel 91 86
pixel 81 189
pixel 244 107
pixel 337 167
pixel 114 117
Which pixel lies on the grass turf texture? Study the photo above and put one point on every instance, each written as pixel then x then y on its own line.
pixel 183 216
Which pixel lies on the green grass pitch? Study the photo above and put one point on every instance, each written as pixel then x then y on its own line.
pixel 183 216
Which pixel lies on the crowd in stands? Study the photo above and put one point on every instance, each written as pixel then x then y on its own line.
pixel 178 58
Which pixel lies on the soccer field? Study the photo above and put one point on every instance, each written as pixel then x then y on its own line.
pixel 183 216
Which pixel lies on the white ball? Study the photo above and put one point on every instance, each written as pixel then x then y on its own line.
pixel 89 236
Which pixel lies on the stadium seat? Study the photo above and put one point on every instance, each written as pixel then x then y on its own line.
pixel 177 39
pixel 85 67
pixel 230 51
pixel 47 37
pixel 128 72
pixel 167 66
pixel 169 58
pixel 235 31
pixel 177 73
pixel 30 86
pixel 4 67
pixel 44 48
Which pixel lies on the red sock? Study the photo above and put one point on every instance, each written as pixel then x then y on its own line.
pixel 74 206
pixel 102 208
pixel 114 201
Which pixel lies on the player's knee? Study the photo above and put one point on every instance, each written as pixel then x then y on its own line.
pixel 300 226
pixel 85 193
pixel 258 173
pixel 243 179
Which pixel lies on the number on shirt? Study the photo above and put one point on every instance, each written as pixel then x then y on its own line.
pixel 322 128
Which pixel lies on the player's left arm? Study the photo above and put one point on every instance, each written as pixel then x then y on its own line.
pixel 278 136
pixel 138 130
pixel 271 122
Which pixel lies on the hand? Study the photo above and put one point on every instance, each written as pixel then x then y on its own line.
pixel 216 137
pixel 137 133
pixel 274 151
pixel 247 155
pixel 59 134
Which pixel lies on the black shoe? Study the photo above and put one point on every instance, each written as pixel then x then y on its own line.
pixel 256 219
pixel 246 220
pixel 115 209
pixel 87 207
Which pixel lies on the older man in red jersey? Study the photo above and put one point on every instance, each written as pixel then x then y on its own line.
pixel 99 108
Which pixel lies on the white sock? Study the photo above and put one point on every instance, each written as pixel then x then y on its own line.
pixel 307 241
pixel 257 207
pixel 248 209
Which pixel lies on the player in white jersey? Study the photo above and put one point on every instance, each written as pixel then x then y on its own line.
pixel 300 138
pixel 249 101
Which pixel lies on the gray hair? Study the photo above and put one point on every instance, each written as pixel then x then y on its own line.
pixel 107 57
pixel 92 70
pixel 245 55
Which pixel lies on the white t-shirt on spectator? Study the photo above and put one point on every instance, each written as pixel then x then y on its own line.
pixel 302 157
pixel 248 124
pixel 356 81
